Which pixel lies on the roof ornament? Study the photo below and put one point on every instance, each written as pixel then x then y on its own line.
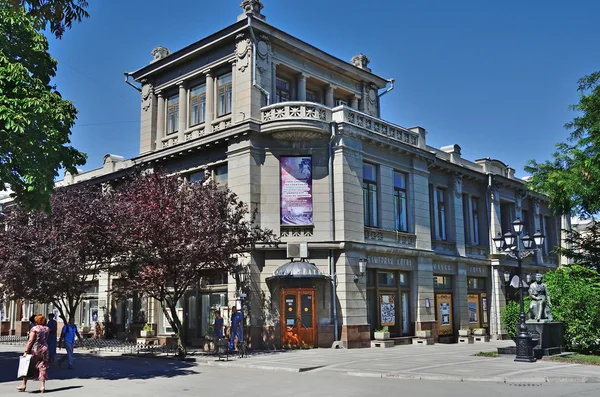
pixel 159 53
pixel 252 7
pixel 361 61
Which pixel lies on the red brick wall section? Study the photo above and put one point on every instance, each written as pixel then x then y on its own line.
pixel 356 336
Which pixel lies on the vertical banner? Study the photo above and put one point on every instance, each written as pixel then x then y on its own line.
pixel 484 309
pixel 444 315
pixel 296 190
pixel 473 305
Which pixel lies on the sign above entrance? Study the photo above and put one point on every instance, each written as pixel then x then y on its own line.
pixel 478 271
pixel 444 268
pixel 390 262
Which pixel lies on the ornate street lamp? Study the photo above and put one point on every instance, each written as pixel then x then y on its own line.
pixel 362 266
pixel 510 245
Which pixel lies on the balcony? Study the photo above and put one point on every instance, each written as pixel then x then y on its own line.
pixel 444 247
pixel 296 120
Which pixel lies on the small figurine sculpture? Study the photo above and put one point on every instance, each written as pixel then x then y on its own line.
pixel 539 308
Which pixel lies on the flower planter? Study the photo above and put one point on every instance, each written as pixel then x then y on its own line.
pixel 146 334
pixel 423 334
pixel 479 332
pixel 382 335
pixel 464 332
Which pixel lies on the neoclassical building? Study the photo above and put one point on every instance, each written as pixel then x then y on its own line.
pixel 378 229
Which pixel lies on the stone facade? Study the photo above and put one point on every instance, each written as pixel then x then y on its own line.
pixel 237 102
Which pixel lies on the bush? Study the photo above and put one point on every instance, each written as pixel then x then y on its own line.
pixel 510 316
pixel 575 294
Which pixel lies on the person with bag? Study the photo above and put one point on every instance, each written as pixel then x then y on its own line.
pixel 37 346
pixel 68 334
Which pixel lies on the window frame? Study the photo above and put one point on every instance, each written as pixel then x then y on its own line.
pixel 279 89
pixel 440 213
pixel 400 201
pixel 200 103
pixel 172 110
pixel 224 94
pixel 476 232
pixel 370 204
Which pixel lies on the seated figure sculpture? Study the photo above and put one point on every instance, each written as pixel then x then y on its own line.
pixel 539 308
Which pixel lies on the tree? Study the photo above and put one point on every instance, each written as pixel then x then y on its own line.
pixel 35 121
pixel 173 233
pixel 571 177
pixel 58 14
pixel 583 247
pixel 575 292
pixel 52 257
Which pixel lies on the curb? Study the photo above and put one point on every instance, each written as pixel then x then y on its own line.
pixel 495 379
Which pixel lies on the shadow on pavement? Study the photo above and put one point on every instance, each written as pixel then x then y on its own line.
pixel 61 389
pixel 94 367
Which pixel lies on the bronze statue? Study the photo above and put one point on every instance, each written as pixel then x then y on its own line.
pixel 539 308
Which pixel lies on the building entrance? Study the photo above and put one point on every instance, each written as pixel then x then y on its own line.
pixel 298 325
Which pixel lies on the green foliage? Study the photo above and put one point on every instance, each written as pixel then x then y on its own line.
pixel 570 178
pixel 35 121
pixel 147 328
pixel 58 15
pixel 486 354
pixel 577 359
pixel 575 292
pixel 583 247
pixel 510 316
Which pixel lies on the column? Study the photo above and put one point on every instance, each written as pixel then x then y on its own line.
pixel 273 83
pixel 456 222
pixel 183 106
pixel 210 102
pixel 461 305
pixel 233 92
pixel 328 96
pixel 160 121
pixel 301 87
pixel 354 102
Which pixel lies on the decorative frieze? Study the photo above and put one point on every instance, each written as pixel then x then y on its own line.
pixel 390 236
pixel 296 231
pixel 443 246
pixel 475 250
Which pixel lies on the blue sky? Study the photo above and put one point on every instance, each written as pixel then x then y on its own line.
pixel 496 77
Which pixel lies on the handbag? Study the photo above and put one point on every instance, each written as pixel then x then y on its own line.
pixel 24 362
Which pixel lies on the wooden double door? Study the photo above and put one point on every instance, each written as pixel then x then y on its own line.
pixel 298 318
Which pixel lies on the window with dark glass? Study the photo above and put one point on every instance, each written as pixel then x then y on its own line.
pixel 224 95
pixel 441 213
pixel 400 203
pixel 311 96
pixel 221 176
pixel 370 194
pixel 173 114
pixel 196 176
pixel 475 220
pixel 282 90
pixel 476 283
pixel 198 104
pixel 386 279
pixel 442 282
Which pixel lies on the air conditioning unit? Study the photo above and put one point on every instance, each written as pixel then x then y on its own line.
pixel 297 250
pixel 340 102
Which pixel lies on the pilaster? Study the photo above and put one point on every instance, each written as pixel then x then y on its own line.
pixel 456 222
pixel 183 106
pixel 160 120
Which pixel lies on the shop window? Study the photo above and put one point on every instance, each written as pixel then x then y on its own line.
pixel 442 282
pixel 370 195
pixel 400 202
pixel 282 90
pixel 173 114
pixel 476 283
pixel 224 95
pixel 198 105
pixel 386 279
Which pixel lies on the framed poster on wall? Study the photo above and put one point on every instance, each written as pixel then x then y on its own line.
pixel 444 314
pixel 473 306
pixel 387 304
pixel 296 190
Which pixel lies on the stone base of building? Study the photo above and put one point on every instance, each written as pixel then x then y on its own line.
pixel 325 336
pixel 382 343
pixel 422 341
pixel 356 336
pixel 465 340
pixel 481 338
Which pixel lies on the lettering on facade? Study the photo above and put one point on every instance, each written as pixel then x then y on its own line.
pixel 391 261
pixel 476 270
pixel 443 267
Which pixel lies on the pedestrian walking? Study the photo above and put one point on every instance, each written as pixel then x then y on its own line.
pixel 31 322
pixel 68 334
pixel 237 328
pixel 52 326
pixel 217 328
pixel 37 346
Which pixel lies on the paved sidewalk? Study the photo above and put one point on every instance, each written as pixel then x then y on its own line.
pixel 447 362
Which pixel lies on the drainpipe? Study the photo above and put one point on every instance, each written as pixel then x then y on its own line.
pixel 493 273
pixel 254 61
pixel 332 234
pixel 127 74
pixel 391 87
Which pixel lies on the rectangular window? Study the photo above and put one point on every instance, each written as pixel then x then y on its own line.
pixel 196 176
pixel 224 94
pixel 198 104
pixel 173 114
pixel 525 220
pixel 475 220
pixel 441 213
pixel 221 176
pixel 311 96
pixel 370 194
pixel 386 279
pixel 547 230
pixel 400 202
pixel 442 282
pixel 282 90
pixel 476 283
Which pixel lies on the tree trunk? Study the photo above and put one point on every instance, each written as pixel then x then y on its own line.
pixel 175 323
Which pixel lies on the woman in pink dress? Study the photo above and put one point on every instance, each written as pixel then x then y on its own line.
pixel 37 346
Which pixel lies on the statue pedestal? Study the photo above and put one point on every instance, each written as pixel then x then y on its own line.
pixel 548 335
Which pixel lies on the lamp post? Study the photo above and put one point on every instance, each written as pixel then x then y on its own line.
pixel 362 267
pixel 510 244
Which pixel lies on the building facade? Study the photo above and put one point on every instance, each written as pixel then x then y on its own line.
pixel 298 135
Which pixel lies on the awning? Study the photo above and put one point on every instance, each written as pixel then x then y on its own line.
pixel 296 270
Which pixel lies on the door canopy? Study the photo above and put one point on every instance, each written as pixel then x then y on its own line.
pixel 297 270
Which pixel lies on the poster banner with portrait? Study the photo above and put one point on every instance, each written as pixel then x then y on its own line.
pixel 444 315
pixel 484 310
pixel 296 190
pixel 388 309
pixel 473 305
